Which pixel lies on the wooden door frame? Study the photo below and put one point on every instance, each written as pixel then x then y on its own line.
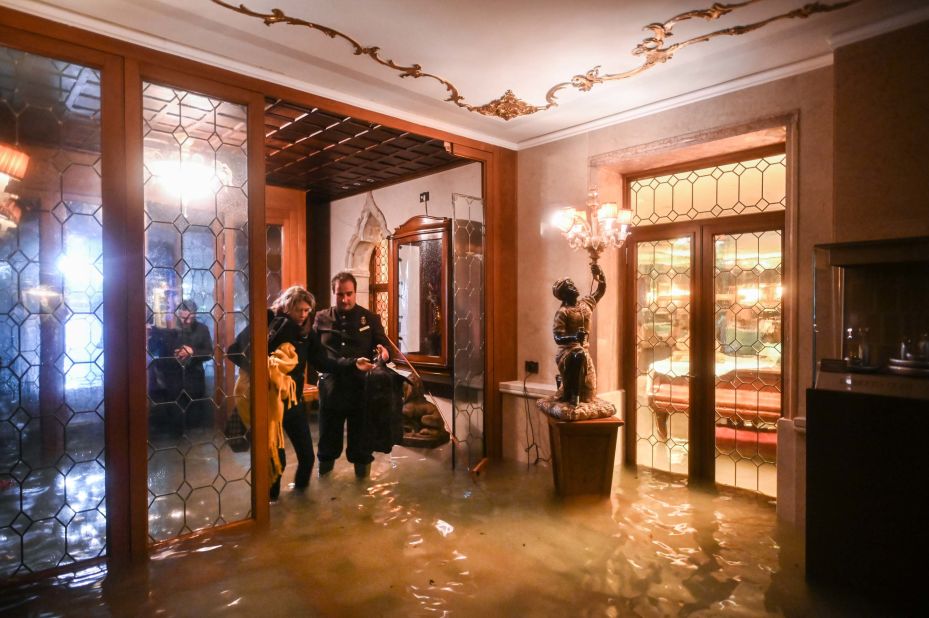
pixel 292 218
pixel 701 425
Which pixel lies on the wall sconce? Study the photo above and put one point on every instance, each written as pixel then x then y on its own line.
pixel 13 165
pixel 597 228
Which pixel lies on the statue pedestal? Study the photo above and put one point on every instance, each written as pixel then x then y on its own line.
pixel 583 454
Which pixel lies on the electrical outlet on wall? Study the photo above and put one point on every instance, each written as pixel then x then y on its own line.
pixel 423 197
pixel 532 366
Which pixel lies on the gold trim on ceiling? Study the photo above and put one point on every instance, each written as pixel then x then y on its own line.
pixel 652 49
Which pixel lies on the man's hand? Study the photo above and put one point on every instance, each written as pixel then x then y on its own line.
pixel 184 352
pixel 596 271
pixel 382 352
pixel 364 365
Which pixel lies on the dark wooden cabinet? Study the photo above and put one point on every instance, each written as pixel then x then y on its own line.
pixel 867 524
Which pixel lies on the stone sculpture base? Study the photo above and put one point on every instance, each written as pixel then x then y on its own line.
pixel 564 411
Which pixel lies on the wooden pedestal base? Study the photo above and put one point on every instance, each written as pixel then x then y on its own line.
pixel 583 454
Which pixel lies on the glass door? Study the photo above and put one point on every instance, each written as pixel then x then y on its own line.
pixel 663 352
pixel 747 320
pixel 706 370
pixel 197 295
pixel 53 460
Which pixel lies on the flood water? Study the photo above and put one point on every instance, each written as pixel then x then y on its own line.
pixel 416 539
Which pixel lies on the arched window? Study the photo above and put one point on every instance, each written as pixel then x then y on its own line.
pixel 379 295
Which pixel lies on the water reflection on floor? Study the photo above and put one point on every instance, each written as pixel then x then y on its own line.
pixel 418 540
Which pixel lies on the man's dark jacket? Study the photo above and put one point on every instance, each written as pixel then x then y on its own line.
pixel 347 334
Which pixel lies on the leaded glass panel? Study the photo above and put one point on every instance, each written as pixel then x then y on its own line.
pixel 52 458
pixel 468 333
pixel 377 287
pixel 743 187
pixel 663 350
pixel 747 273
pixel 275 261
pixel 197 300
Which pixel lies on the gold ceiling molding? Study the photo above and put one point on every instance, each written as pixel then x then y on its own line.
pixel 653 50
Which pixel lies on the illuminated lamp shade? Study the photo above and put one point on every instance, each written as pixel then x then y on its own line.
pixel 564 219
pixel 13 164
pixel 607 212
pixel 597 228
pixel 624 216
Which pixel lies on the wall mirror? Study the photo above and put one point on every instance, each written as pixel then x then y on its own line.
pixel 419 284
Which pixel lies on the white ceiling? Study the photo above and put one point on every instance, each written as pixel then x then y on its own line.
pixel 485 47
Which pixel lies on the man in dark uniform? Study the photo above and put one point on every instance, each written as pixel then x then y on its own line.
pixel 350 331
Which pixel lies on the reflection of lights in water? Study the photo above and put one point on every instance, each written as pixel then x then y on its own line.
pixel 444 527
pixel 644 545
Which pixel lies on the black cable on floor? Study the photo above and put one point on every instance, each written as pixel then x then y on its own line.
pixel 530 429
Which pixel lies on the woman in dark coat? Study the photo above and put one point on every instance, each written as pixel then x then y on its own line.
pixel 288 322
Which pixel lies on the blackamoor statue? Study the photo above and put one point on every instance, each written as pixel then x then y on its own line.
pixel 577 379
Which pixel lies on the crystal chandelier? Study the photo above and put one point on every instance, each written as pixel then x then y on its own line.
pixel 597 228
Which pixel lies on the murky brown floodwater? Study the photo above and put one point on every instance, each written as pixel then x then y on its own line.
pixel 418 540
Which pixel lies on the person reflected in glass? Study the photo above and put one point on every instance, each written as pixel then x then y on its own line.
pixel 179 378
pixel 577 378
pixel 289 323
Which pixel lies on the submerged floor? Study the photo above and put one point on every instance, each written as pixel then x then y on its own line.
pixel 418 540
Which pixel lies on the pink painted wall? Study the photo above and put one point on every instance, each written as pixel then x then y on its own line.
pixel 557 173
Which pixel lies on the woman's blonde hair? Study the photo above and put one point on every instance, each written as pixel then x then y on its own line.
pixel 285 303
